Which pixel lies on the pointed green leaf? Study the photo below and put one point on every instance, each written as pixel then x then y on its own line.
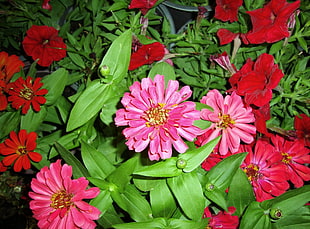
pixel 166 168
pixel 89 103
pixel 187 190
pixel 96 163
pixel 32 120
pixel 162 68
pixel 157 223
pixel 103 201
pixel 8 122
pixel 195 157
pixel 162 201
pixel 186 224
pixel 118 56
pixel 55 84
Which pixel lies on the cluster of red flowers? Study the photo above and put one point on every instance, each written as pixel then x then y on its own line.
pixel 269 24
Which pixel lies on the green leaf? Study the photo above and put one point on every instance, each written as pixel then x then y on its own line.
pixel 136 205
pixel 240 200
pixel 55 84
pixel 77 59
pixel 89 103
pixel 255 217
pixel 103 201
pixel 8 122
pixel 195 157
pixel 69 141
pixel 166 168
pixel 78 169
pixel 187 190
pixel 162 201
pixel 299 219
pixel 186 224
pixel 123 174
pixel 162 68
pixel 118 56
pixel 32 120
pixel 96 163
pixel 156 223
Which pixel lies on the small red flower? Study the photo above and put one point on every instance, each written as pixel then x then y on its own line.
pixel 43 43
pixel 9 65
pixel 264 170
pixel 262 114
pixel 302 127
pixel 225 36
pixel 143 5
pixel 147 54
pixel 270 23
pixel 255 81
pixel 227 10
pixel 18 149
pixel 46 5
pixel 294 156
pixel 24 93
pixel 222 219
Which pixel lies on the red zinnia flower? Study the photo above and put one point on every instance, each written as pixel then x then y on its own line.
pixel 255 81
pixel 227 10
pixel 143 5
pixel 302 127
pixel 3 168
pixel 294 156
pixel 43 43
pixel 18 149
pixel 9 65
pixel 270 23
pixel 264 170
pixel 222 219
pixel 147 54
pixel 24 93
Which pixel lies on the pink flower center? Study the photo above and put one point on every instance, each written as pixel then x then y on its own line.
pixel 26 93
pixel 21 150
pixel 286 158
pixel 61 200
pixel 252 171
pixel 225 121
pixel 156 116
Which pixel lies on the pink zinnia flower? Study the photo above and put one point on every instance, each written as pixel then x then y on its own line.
pixel 158 117
pixel 222 219
pixel 264 170
pixel 230 119
pixel 294 156
pixel 58 200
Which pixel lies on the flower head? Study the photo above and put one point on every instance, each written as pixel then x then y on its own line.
pixel 227 10
pixel 58 200
pixel 255 81
pixel 43 43
pixel 295 156
pixel 302 128
pixel 264 170
pixel 9 65
pixel 24 93
pixel 230 119
pixel 46 5
pixel 224 61
pixel 270 23
pixel 19 149
pixel 143 5
pixel 222 219
pixel 158 117
pixel 147 54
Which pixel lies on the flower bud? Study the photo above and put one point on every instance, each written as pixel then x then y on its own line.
pixel 210 187
pixel 181 163
pixel 104 70
pixel 275 213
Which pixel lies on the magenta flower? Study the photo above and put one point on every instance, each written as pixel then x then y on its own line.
pixel 158 117
pixel 230 119
pixel 264 170
pixel 295 156
pixel 57 200
pixel 222 219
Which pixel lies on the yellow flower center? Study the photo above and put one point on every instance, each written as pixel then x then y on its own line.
pixel 252 172
pixel 26 93
pixel 225 121
pixel 61 200
pixel 156 116
pixel 21 150
pixel 286 158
